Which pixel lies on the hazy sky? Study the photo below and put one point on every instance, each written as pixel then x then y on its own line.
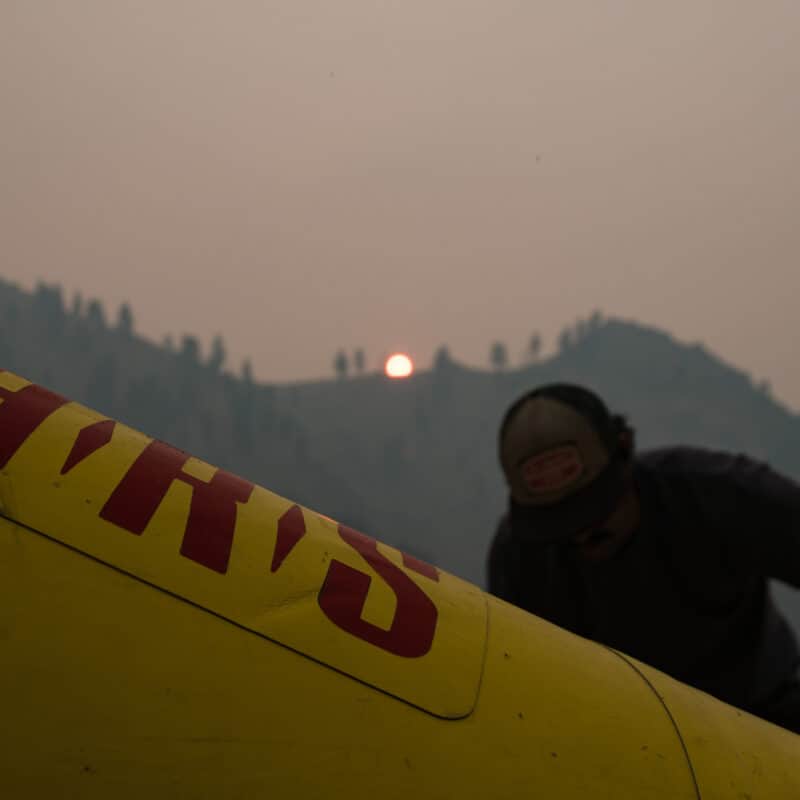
pixel 303 175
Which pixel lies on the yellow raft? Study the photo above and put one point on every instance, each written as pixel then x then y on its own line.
pixel 170 630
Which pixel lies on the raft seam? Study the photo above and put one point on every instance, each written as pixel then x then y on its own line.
pixel 668 713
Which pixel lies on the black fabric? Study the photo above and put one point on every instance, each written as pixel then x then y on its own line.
pixel 783 706
pixel 590 506
pixel 689 593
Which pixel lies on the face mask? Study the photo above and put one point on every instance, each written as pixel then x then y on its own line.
pixel 589 507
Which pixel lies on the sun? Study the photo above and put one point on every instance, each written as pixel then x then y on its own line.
pixel 399 365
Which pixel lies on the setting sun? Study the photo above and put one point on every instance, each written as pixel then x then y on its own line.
pixel 399 365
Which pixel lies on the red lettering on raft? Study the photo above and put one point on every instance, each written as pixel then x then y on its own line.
pixel 291 529
pixel 344 592
pixel 21 413
pixel 90 440
pixel 420 566
pixel 208 536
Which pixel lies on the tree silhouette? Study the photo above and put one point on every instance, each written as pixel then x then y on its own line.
pixel 566 340
pixel 77 305
pixel 498 356
pixel 596 320
pixel 340 364
pixel 190 350
pixel 95 316
pixel 125 320
pixel 217 356
pixel 359 361
pixel 534 347
pixel 443 376
pixel 48 306
pixel 442 359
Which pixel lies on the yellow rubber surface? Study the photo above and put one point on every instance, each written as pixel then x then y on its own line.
pixel 172 631
pixel 733 754
pixel 113 688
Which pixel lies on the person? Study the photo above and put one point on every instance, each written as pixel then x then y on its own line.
pixel 665 555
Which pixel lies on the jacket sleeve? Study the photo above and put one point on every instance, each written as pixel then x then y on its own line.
pixel 760 513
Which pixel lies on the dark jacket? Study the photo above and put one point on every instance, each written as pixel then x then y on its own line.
pixel 688 594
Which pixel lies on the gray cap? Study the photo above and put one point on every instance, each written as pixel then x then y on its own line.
pixel 549 451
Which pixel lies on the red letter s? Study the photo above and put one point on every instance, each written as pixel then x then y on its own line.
pixel 344 592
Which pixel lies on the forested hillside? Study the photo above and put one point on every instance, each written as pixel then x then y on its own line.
pixel 411 461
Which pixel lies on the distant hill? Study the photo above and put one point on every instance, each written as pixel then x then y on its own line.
pixel 172 392
pixel 412 462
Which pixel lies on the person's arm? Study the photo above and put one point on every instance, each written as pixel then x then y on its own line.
pixel 760 510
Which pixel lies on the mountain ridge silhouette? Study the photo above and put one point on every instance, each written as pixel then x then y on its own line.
pixel 411 462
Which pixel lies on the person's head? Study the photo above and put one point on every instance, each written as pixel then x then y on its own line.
pixel 567 463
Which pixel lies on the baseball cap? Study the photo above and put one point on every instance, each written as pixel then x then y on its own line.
pixel 560 453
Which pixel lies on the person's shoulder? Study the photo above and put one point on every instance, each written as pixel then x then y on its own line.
pixel 697 483
pixel 714 478
pixel 691 462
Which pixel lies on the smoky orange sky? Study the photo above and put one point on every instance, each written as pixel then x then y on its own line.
pixel 303 175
